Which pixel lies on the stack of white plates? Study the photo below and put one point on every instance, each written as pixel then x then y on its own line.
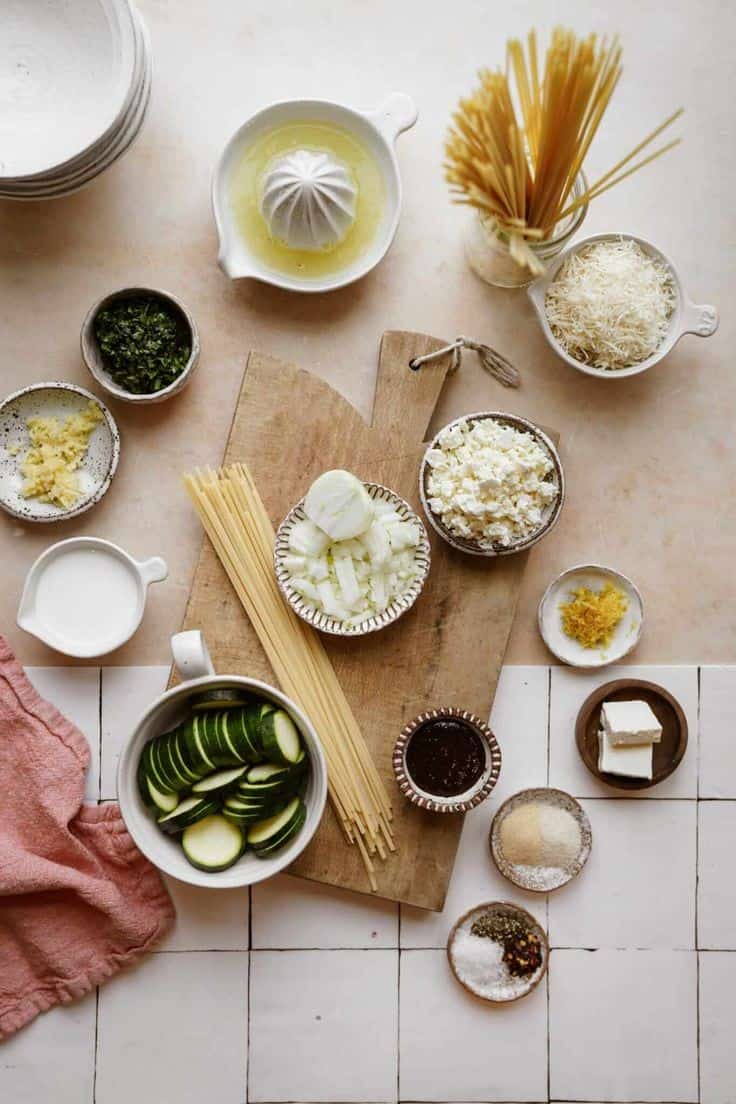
pixel 75 82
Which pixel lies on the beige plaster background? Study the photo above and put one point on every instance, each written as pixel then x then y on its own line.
pixel 650 461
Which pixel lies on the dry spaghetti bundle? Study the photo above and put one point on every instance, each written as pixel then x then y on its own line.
pixel 517 145
pixel 235 520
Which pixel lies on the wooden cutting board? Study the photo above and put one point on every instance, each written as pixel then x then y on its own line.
pixel 290 426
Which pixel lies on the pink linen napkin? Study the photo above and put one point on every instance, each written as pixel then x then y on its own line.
pixel 77 899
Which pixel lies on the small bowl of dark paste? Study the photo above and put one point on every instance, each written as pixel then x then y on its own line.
pixel 140 344
pixel 446 760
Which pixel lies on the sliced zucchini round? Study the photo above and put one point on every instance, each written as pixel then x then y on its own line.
pixel 213 844
pixel 220 782
pixel 163 802
pixel 225 698
pixel 285 836
pixel 188 811
pixel 267 831
pixel 280 737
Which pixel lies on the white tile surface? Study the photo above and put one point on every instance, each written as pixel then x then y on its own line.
pixel 174 1029
pixel 623 1025
pixel 568 690
pixel 52 1059
pixel 519 720
pixel 75 691
pixel 323 1026
pixel 126 693
pixel 295 913
pixel 716 880
pixel 717 1014
pixel 207 921
pixel 638 887
pixel 717 728
pixel 457 1048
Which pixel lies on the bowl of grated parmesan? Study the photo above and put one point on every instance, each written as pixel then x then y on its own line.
pixel 613 305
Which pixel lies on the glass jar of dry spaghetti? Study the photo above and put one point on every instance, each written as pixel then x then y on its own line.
pixel 488 250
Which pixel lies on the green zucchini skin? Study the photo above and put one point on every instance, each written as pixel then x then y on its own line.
pixel 262 767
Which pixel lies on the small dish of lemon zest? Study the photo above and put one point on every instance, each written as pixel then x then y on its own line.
pixel 57 450
pixel 591 617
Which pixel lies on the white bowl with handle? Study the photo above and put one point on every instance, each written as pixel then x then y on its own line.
pixel 687 317
pixel 195 666
pixel 376 130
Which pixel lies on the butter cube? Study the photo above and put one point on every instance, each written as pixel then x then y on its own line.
pixel 628 760
pixel 630 722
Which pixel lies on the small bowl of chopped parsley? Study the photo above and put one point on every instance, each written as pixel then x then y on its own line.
pixel 140 344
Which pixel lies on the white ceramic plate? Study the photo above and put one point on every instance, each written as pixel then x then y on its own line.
pixel 320 620
pixel 83 171
pixel 626 635
pixel 65 71
pixel 97 469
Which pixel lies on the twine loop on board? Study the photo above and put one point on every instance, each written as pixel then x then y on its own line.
pixel 494 363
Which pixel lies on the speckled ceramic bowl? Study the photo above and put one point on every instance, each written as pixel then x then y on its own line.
pixel 94 361
pixel 321 621
pixel 551 513
pixel 458 803
pixel 524 988
pixel 98 467
pixel 533 878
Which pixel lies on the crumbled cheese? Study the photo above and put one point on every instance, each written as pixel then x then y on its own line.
pixel 490 483
pixel 57 450
pixel 610 304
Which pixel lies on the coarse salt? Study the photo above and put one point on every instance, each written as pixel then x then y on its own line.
pixel 479 964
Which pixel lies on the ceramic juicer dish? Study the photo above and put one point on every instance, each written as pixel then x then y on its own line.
pixel 376 130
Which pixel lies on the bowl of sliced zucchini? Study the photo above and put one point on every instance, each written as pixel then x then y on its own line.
pixel 223 782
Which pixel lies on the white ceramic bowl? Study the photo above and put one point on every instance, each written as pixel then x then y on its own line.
pixel 92 356
pixel 687 317
pixel 377 130
pixel 551 514
pixel 193 661
pixel 78 575
pixel 594 576
pixel 56 399
pixel 316 617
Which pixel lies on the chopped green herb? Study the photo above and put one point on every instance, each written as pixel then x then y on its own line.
pixel 144 343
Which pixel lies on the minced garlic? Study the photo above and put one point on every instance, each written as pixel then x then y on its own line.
pixel 591 617
pixel 57 450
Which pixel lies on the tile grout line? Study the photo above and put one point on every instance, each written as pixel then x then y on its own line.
pixel 697 894
pixel 247 994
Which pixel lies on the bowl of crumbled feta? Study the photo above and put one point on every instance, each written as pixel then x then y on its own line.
pixel 351 557
pixel 492 484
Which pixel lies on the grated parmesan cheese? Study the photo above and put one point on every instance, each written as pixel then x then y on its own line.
pixel 610 304
pixel 57 450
